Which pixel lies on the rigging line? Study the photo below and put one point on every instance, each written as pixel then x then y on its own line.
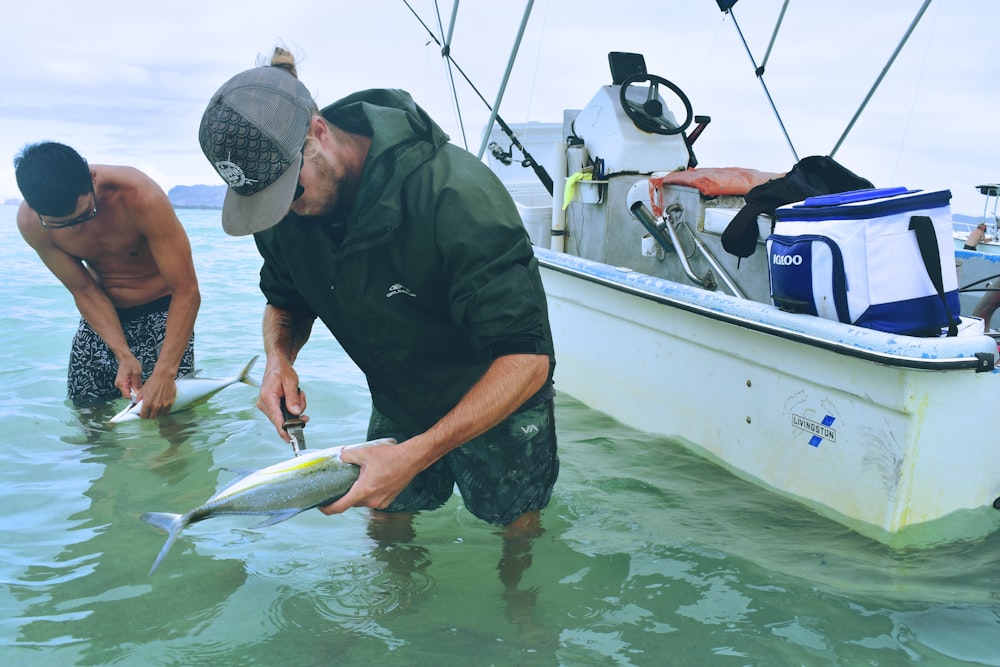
pixel 447 54
pixel 916 93
pixel 878 81
pixel 451 75
pixel 760 77
pixel 538 58
pixel 709 51
pixel 981 280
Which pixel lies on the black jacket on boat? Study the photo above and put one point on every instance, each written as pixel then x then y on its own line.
pixel 427 279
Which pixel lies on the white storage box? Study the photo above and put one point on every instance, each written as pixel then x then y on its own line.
pixel 534 204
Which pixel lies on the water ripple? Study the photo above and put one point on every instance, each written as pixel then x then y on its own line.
pixel 380 586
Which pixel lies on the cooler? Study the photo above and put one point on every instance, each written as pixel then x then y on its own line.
pixel 880 258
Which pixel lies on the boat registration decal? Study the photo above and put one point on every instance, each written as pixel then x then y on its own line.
pixel 820 430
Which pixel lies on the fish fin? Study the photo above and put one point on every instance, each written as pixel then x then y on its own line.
pixel 162 520
pixel 278 517
pixel 172 524
pixel 245 375
pixel 372 443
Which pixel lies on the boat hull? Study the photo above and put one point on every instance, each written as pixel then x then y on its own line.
pixel 988 247
pixel 860 425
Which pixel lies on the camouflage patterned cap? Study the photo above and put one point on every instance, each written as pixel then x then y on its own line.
pixel 253 132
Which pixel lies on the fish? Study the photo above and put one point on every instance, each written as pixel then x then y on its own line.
pixel 279 491
pixel 191 390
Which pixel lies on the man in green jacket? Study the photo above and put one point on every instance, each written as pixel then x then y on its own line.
pixel 414 256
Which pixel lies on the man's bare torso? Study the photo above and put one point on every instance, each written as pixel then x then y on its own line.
pixel 110 246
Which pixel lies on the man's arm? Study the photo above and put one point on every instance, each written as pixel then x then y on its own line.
pixel 168 243
pixel 385 471
pixel 92 302
pixel 284 333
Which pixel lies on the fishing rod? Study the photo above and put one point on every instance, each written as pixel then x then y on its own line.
pixel 529 160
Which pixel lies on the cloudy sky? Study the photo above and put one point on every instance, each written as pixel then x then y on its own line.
pixel 126 82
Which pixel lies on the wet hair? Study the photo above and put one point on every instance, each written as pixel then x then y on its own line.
pixel 52 177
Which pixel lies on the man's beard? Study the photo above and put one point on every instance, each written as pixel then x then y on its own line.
pixel 327 194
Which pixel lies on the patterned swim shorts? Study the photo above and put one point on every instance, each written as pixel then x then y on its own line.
pixel 507 471
pixel 92 365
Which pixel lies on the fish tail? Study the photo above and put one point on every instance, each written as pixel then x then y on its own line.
pixel 128 414
pixel 125 417
pixel 172 524
pixel 245 375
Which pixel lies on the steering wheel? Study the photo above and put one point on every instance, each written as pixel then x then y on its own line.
pixel 648 116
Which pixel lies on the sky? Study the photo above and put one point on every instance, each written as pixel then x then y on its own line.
pixel 126 82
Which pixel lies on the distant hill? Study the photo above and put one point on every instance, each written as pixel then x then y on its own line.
pixel 197 196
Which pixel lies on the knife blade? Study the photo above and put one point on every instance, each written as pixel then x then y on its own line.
pixel 293 425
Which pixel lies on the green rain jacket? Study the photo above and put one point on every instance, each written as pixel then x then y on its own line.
pixel 434 277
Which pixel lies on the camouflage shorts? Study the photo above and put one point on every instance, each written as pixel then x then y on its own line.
pixel 509 470
pixel 93 366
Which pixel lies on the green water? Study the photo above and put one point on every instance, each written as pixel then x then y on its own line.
pixel 650 555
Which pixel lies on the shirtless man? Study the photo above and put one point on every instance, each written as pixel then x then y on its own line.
pixel 110 235
pixel 976 236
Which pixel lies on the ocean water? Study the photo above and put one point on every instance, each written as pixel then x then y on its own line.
pixel 650 555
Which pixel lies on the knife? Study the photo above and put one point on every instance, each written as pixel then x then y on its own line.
pixel 293 425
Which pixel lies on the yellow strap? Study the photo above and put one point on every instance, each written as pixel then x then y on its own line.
pixel 571 185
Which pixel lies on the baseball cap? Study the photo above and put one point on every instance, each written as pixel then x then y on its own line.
pixel 253 132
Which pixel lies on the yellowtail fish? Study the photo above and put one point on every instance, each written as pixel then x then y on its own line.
pixel 191 390
pixel 281 491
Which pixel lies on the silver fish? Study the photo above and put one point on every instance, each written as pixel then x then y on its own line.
pixel 280 491
pixel 191 390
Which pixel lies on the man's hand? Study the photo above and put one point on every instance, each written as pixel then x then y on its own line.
pixel 129 378
pixel 158 396
pixel 281 381
pixel 385 472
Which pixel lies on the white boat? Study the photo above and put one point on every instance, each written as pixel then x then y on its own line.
pixel 991 242
pixel 658 326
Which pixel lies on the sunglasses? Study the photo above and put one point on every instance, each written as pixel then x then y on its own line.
pixel 299 190
pixel 79 220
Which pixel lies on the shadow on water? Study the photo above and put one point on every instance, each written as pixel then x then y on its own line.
pixel 95 594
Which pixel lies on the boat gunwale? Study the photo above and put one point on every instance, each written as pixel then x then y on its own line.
pixel 656 290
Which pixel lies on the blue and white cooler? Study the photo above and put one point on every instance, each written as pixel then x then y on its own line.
pixel 881 258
